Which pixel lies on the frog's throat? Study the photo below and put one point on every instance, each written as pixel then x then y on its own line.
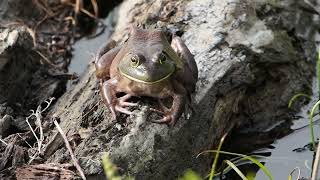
pixel 146 82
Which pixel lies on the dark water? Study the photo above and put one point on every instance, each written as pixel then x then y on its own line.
pixel 85 48
pixel 284 157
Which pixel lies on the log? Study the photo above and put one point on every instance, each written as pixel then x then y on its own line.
pixel 253 56
pixel 46 171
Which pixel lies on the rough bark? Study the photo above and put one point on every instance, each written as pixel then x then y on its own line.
pixel 252 58
pixel 46 171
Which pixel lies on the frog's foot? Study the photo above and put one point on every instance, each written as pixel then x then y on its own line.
pixel 167 119
pixel 167 115
pixel 120 106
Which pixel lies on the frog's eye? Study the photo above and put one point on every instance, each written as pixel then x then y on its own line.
pixel 162 58
pixel 134 61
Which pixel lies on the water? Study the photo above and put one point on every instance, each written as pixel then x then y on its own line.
pixel 283 159
pixel 85 48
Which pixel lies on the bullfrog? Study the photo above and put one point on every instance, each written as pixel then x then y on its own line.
pixel 147 65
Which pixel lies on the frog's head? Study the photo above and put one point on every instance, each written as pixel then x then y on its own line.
pixel 149 57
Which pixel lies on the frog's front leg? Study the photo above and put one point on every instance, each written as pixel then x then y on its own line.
pixel 184 53
pixel 109 96
pixel 104 58
pixel 179 99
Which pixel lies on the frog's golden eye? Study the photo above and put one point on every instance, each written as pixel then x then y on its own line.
pixel 162 58
pixel 134 61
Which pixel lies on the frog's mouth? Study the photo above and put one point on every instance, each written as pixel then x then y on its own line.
pixel 143 75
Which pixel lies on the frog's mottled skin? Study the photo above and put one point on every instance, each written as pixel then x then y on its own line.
pixel 147 65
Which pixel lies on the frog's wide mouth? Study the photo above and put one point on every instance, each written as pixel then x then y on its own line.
pixel 146 79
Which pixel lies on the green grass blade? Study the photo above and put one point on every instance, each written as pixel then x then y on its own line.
pixel 294 170
pixel 253 160
pixel 236 169
pixel 215 161
pixel 296 97
pixel 251 175
pixel 190 175
pixel 109 168
pixel 311 124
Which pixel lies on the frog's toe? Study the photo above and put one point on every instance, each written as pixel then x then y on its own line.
pixel 123 110
pixel 165 120
pixel 157 111
pixel 113 113
pixel 127 104
pixel 164 110
pixel 125 97
pixel 123 101
pixel 162 106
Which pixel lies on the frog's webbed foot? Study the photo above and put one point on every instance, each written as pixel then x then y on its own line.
pixel 163 108
pixel 108 90
pixel 122 103
pixel 164 111
pixel 170 116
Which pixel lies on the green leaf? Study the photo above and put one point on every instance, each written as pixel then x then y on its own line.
pixel 215 162
pixel 236 169
pixel 297 96
pixel 311 124
pixel 253 160
pixel 190 175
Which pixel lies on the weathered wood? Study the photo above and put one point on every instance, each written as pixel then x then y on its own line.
pixel 13 156
pixel 46 171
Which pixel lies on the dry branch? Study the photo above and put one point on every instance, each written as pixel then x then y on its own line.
pixel 74 159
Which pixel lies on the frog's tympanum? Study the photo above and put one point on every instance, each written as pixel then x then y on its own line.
pixel 147 65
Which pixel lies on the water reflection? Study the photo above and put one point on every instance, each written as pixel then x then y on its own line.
pixel 283 155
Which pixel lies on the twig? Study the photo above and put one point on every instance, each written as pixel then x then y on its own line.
pixel 33 157
pixel 34 133
pixel 316 164
pixel 33 35
pixel 24 140
pixel 82 10
pixel 312 6
pixel 70 18
pixel 48 104
pixel 95 8
pixel 47 60
pixel 38 123
pixel 75 161
pixel 3 142
pixel 78 6
pixel 41 6
pixel 90 110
